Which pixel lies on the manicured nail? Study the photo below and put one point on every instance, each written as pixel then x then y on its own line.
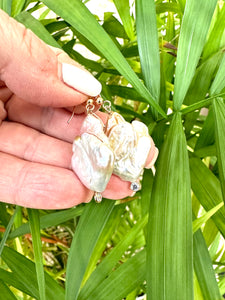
pixel 153 160
pixel 81 80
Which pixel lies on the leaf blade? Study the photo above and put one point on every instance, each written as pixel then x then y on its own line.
pixel 85 238
pixel 105 267
pixel 207 189
pixel 123 9
pixel 49 220
pixel 6 293
pixel 30 22
pixel 37 246
pixel 197 223
pixel 17 262
pixel 76 13
pixel 123 280
pixel 194 29
pixel 219 119
pixel 148 45
pixel 219 82
pixel 169 243
pixel 8 228
pixel 204 269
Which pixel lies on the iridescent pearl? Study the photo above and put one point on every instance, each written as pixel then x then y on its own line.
pixel 94 125
pixel 131 144
pixel 113 120
pixel 92 161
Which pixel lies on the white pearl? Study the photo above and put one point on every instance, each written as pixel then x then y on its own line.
pixel 131 144
pixel 92 161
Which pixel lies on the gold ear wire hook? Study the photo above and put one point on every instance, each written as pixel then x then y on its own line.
pixel 90 106
pixel 73 113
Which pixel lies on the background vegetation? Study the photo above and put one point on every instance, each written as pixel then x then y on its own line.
pixel 161 62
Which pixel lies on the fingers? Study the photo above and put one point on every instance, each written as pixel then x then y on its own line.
pixel 31 145
pixel 117 189
pixel 32 71
pixel 3 112
pixel 39 186
pixel 5 93
pixel 51 121
pixel 152 156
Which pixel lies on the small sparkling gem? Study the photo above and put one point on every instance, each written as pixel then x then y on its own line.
pixel 135 186
pixel 98 197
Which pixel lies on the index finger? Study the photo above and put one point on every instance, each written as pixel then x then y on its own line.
pixel 41 77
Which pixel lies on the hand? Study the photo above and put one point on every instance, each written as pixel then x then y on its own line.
pixel 35 139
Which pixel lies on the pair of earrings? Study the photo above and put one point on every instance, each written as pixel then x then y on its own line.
pixel 116 147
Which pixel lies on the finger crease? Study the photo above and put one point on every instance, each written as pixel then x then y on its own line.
pixel 31 148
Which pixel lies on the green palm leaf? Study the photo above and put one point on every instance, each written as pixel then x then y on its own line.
pixel 148 45
pixel 123 9
pixel 86 236
pixel 219 119
pixel 76 14
pixel 123 280
pixel 24 269
pixel 194 29
pixel 169 248
pixel 6 293
pixel 109 262
pixel 37 246
pixel 7 231
pixel 207 189
pixel 204 269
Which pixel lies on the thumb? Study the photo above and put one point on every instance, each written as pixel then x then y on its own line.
pixel 36 73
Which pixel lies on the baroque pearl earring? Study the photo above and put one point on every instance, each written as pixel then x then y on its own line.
pixel 118 148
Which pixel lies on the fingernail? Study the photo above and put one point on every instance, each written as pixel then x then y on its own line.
pixel 81 80
pixel 153 160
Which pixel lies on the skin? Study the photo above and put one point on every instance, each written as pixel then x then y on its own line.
pixel 35 138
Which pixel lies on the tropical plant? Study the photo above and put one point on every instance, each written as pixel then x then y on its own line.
pixel 162 62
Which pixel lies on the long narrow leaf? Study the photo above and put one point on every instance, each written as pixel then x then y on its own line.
pixel 86 236
pixel 123 9
pixel 76 14
pixel 210 232
pixel 169 247
pixel 194 29
pixel 182 4
pixel 4 216
pixel 197 223
pixel 214 41
pixel 219 81
pixel 8 228
pixel 6 293
pixel 148 45
pixel 24 269
pixel 207 189
pixel 204 269
pixel 146 190
pixel 168 7
pixel 207 134
pixel 110 227
pixel 106 266
pixel 17 6
pixel 219 119
pixel 52 219
pixel 123 280
pixel 6 6
pixel 11 279
pixel 199 87
pixel 30 22
pixel 37 246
